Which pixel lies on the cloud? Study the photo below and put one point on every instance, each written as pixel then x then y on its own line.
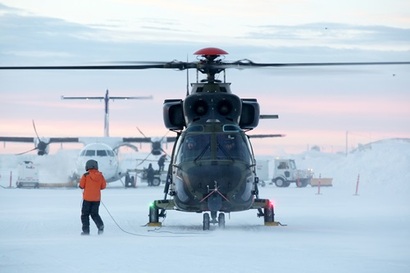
pixel 333 35
pixel 20 30
pixel 37 40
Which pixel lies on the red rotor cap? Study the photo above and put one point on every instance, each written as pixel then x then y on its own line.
pixel 211 51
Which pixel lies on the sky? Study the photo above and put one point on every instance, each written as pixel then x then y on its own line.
pixel 333 108
pixel 335 230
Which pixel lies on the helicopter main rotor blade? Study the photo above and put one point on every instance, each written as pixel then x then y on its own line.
pixel 269 116
pixel 266 135
pixel 248 63
pixel 163 65
pixel 205 66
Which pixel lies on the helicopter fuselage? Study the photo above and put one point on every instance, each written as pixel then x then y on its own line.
pixel 213 169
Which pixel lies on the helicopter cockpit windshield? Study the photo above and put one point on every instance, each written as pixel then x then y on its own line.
pixel 219 145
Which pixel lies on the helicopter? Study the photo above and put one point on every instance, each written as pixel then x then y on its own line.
pixel 212 168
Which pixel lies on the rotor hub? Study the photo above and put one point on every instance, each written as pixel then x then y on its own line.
pixel 210 51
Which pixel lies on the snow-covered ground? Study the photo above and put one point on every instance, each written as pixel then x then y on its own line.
pixel 335 231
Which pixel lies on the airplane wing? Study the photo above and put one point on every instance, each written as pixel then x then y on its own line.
pixel 148 139
pixel 102 98
pixel 32 139
pixel 40 144
pixel 17 139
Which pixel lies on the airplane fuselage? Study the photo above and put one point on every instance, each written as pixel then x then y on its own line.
pixel 107 160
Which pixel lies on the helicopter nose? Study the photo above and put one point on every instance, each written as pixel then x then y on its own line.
pixel 214 202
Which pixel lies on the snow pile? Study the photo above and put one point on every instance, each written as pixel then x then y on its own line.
pixel 383 166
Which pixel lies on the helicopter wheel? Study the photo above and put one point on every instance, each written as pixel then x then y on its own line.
pixel 221 220
pixel 206 221
pixel 153 216
pixel 269 215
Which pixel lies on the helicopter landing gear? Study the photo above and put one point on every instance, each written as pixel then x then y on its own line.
pixel 221 220
pixel 153 217
pixel 158 209
pixel 208 220
pixel 269 215
pixel 213 217
pixel 267 211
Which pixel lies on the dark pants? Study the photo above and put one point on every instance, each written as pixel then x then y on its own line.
pixel 150 181
pixel 90 208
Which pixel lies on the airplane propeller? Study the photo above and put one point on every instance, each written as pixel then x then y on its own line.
pixel 35 148
pixel 40 145
pixel 156 146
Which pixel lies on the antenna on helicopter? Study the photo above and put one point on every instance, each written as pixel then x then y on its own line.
pixel 187 78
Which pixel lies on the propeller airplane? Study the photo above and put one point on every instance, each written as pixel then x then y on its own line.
pixel 103 149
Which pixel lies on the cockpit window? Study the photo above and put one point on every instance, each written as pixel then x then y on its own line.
pixel 97 153
pixel 195 146
pixel 232 146
pixel 196 128
pixel 89 153
pixel 214 146
pixel 230 128
pixel 101 153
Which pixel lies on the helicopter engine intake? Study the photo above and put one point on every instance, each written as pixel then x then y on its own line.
pixel 203 107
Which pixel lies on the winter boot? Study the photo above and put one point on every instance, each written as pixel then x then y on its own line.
pixel 100 230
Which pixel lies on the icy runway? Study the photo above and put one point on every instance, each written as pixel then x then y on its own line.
pixel 335 231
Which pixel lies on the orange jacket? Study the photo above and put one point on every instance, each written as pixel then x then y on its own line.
pixel 92 182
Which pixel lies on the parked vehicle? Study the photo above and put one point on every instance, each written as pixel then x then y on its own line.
pixel 27 175
pixel 285 172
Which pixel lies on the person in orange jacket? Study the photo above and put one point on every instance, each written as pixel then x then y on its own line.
pixel 92 182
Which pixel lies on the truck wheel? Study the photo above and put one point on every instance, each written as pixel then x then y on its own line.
pixel 301 183
pixel 156 182
pixel 279 182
